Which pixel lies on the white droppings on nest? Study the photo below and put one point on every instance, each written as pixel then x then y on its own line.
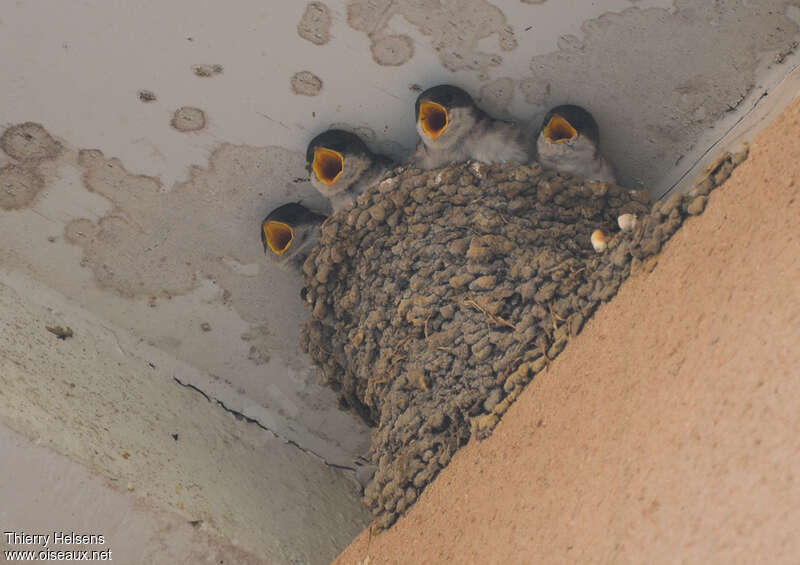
pixel 627 222
pixel 387 185
pixel 599 240
pixel 478 169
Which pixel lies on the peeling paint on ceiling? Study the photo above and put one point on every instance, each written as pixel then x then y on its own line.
pixel 454 29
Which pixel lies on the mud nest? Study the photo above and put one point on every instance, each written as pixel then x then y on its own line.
pixel 441 294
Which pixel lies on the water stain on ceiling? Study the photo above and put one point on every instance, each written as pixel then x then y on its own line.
pixel 163 243
pixel 454 29
pixel 29 142
pixel 188 118
pixel 315 24
pixel 207 71
pixel 306 83
pixel 28 145
pixel 19 186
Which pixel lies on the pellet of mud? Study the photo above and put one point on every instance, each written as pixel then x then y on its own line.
pixel 704 186
pixel 697 205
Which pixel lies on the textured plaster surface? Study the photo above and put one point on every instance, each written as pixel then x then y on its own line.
pixel 91 398
pixel 668 430
pixel 44 492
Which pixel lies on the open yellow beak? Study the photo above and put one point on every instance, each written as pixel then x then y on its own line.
pixel 433 118
pixel 559 130
pixel 328 164
pixel 279 236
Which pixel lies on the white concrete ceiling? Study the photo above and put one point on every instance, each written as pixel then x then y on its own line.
pixel 150 219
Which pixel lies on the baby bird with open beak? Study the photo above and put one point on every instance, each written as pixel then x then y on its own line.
pixel 568 142
pixel 342 166
pixel 452 128
pixel 289 233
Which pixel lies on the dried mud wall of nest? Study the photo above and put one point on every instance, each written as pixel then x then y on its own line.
pixel 441 294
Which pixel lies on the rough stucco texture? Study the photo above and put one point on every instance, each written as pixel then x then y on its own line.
pixel 43 491
pixel 90 398
pixel 668 430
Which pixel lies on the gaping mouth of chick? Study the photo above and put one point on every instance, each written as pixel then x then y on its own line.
pixel 279 236
pixel 559 130
pixel 433 118
pixel 328 164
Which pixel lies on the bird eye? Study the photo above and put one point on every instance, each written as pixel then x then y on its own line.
pixel 433 118
pixel 559 130
pixel 279 236
pixel 328 164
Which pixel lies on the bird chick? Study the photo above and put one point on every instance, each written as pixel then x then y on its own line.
pixel 342 166
pixel 289 233
pixel 568 141
pixel 452 129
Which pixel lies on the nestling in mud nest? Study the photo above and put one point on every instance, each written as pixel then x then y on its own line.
pixel 440 294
